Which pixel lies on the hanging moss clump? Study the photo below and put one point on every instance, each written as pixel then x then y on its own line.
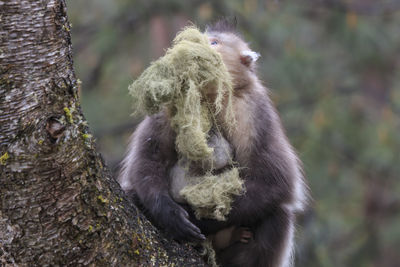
pixel 179 81
pixel 212 194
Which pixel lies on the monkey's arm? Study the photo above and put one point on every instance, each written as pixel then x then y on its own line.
pixel 145 173
pixel 270 174
pixel 262 196
pixel 267 189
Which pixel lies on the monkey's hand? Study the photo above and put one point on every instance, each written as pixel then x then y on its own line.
pixel 176 222
pixel 207 226
pixel 242 234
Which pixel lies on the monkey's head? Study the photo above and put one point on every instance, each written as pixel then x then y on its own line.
pixel 236 54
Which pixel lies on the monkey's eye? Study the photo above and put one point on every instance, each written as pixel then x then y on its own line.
pixel 214 42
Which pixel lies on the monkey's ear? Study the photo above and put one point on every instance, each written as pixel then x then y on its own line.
pixel 247 57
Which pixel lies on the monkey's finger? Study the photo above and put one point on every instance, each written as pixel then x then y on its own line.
pixel 191 226
pixel 244 240
pixel 247 234
pixel 197 237
pixel 184 213
pixel 193 236
pixel 192 230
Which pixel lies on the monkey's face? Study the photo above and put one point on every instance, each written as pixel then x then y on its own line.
pixel 237 56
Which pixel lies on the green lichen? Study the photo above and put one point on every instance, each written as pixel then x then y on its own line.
pixel 67 27
pixel 181 81
pixel 40 141
pixel 4 158
pixel 86 136
pixel 87 141
pixel 103 200
pixel 137 237
pixel 212 195
pixel 90 228
pixel 209 253
pixel 68 115
pixel 137 252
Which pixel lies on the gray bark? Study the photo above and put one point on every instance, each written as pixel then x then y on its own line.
pixel 58 203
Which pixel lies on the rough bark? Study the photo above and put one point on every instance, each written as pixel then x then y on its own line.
pixel 58 204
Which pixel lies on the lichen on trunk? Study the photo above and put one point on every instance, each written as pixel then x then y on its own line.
pixel 58 203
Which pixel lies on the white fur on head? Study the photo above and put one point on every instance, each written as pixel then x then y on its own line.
pixel 248 53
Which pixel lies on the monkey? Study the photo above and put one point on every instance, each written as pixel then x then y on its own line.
pixel 273 178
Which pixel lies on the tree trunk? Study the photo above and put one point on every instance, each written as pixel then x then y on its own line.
pixel 58 203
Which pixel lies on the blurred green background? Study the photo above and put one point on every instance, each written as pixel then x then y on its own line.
pixel 333 70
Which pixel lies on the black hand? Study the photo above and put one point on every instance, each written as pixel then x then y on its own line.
pixel 207 226
pixel 176 222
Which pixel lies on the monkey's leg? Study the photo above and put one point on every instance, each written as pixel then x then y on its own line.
pixel 271 246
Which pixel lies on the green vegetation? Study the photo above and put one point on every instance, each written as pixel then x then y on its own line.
pixel 4 158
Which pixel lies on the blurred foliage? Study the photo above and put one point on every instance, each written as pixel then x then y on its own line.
pixel 333 69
